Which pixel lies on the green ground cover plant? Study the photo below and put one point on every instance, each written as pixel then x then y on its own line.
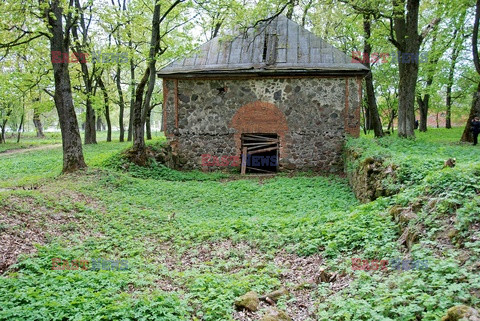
pixel 196 241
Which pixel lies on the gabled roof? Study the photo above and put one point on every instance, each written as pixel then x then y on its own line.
pixel 279 47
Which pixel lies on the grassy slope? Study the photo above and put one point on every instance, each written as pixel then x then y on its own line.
pixel 227 237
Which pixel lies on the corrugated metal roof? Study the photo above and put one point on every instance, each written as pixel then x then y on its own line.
pixel 281 46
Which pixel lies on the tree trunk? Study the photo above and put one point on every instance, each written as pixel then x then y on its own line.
pixel 109 123
pixel 374 121
pixel 148 124
pixel 121 104
pixel 364 115
pixel 132 96
pixel 407 40
pixel 99 124
pixel 71 140
pixel 448 118
pixel 38 124
pixel 2 134
pixel 141 107
pixel 107 108
pixel 423 108
pixel 138 150
pixel 390 122
pixel 19 131
pixel 451 72
pixel 368 115
pixel 406 99
pixel 474 112
pixel 90 132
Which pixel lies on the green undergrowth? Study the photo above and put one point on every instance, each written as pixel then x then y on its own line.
pixel 195 242
pixel 443 210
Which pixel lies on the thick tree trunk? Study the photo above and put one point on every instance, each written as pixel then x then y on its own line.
pixel 407 40
pixel 474 112
pixel 138 150
pixel 71 140
pixel 408 73
pixel 38 124
pixel 121 104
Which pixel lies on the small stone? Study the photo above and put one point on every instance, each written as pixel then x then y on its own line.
pixel 461 312
pixel 275 295
pixel 249 301
pixel 274 314
pixel 325 277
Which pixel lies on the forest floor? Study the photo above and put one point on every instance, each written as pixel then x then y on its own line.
pixel 193 242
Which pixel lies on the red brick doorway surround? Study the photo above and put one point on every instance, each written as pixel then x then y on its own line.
pixel 259 117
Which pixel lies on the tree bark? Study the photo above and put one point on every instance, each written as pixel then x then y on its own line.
pixel 423 108
pixel 99 124
pixel 106 108
pixel 406 100
pixel 90 132
pixel 19 131
pixel 374 121
pixel 407 40
pixel 121 104
pixel 3 126
pixel 138 150
pixel 475 110
pixel 148 124
pixel 448 116
pixel 38 123
pixel 451 73
pixel 139 155
pixel 132 97
pixel 71 140
pixel 2 134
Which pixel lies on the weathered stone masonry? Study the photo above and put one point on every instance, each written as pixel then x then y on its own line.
pixel 311 116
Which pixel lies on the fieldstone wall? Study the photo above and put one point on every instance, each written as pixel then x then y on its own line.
pixel 311 116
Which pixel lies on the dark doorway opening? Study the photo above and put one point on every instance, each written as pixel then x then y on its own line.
pixel 259 153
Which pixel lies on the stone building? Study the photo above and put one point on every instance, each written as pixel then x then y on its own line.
pixel 277 93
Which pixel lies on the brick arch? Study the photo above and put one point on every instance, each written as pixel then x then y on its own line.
pixel 259 117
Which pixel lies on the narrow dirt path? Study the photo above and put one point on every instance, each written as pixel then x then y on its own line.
pixel 26 150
